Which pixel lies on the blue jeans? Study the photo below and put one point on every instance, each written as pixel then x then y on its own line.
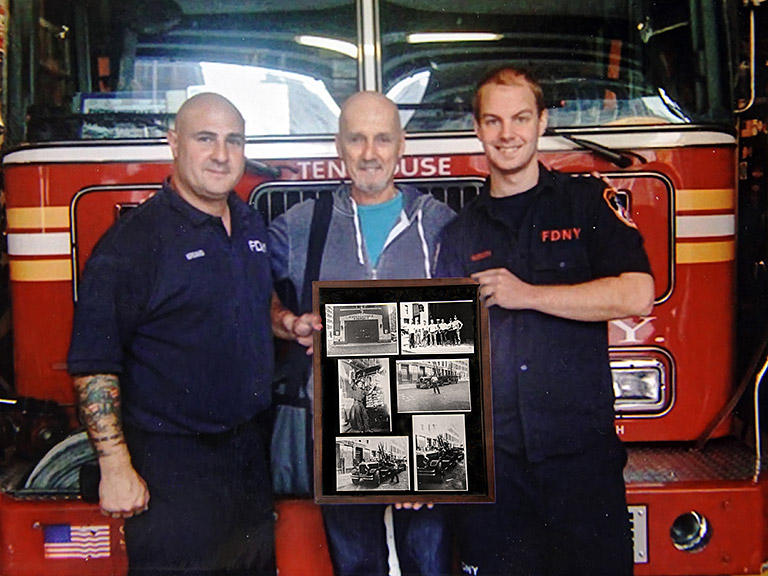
pixel 358 546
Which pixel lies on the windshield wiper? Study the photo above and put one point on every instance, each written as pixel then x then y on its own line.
pixel 617 157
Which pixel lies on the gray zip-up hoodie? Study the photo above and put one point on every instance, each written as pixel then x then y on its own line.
pixel 409 251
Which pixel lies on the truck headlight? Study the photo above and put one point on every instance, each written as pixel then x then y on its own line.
pixel 690 532
pixel 638 385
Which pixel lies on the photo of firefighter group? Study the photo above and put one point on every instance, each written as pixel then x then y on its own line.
pixel 382 377
pixel 367 329
pixel 437 327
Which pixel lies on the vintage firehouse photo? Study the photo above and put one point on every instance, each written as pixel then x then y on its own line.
pixel 437 327
pixel 439 443
pixel 433 385
pixel 361 329
pixel 372 463
pixel 364 396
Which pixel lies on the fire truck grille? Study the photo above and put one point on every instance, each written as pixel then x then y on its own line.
pixel 274 198
pixel 722 459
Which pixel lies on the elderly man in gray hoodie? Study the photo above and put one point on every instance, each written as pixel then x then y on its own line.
pixel 377 230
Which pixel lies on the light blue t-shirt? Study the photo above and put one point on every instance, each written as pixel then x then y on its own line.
pixel 376 222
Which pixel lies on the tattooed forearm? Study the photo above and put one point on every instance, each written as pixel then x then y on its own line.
pixel 99 407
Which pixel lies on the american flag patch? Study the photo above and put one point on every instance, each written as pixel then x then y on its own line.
pixel 65 541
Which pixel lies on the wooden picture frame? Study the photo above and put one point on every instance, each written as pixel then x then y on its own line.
pixel 402 395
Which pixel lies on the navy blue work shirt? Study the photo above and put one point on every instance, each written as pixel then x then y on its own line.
pixel 552 387
pixel 180 311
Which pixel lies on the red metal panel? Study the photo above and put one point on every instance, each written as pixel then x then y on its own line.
pixel 42 322
pixel 735 512
pixel 300 539
pixel 301 543
pixel 21 538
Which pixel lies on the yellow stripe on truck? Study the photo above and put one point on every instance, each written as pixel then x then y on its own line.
pixel 705 252
pixel 41 270
pixel 38 218
pixel 704 199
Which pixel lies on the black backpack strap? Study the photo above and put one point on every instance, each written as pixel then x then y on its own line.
pixel 292 370
pixel 318 232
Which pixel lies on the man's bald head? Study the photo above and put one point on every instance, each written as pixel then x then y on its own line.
pixel 205 101
pixel 369 101
pixel 208 146
pixel 370 142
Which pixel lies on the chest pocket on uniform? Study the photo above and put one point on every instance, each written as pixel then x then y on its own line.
pixel 560 262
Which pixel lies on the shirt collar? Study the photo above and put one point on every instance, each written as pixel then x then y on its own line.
pixel 238 210
pixel 546 182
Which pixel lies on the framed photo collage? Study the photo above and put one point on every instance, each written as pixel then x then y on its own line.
pixel 402 392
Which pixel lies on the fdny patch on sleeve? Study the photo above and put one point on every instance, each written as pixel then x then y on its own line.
pixel 616 201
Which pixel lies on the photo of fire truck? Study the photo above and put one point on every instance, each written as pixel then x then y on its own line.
pixel 442 380
pixel 656 97
pixel 386 467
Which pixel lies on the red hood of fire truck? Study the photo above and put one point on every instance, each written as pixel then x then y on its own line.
pixel 60 199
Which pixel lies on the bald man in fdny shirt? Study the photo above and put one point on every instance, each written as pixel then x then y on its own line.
pixel 171 355
pixel 555 258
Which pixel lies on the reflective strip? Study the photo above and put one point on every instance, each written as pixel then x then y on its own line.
pixel 103 151
pixel 38 217
pixel 52 244
pixel 705 252
pixel 41 270
pixel 705 226
pixel 714 199
pixel 322 147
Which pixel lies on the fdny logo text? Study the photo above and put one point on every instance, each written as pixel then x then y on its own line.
pixel 257 246
pixel 560 235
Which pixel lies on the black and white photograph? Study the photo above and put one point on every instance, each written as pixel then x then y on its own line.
pixel 443 327
pixel 439 443
pixel 364 396
pixel 361 329
pixel 372 463
pixel 433 385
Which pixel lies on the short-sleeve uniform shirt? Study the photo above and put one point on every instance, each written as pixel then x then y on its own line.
pixel 180 310
pixel 552 387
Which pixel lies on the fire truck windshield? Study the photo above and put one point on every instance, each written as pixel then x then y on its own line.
pixel 121 68
pixel 600 62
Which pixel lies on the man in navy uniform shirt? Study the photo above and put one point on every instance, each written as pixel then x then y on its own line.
pixel 555 257
pixel 171 355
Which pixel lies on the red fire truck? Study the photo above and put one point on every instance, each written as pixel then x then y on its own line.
pixel 642 92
